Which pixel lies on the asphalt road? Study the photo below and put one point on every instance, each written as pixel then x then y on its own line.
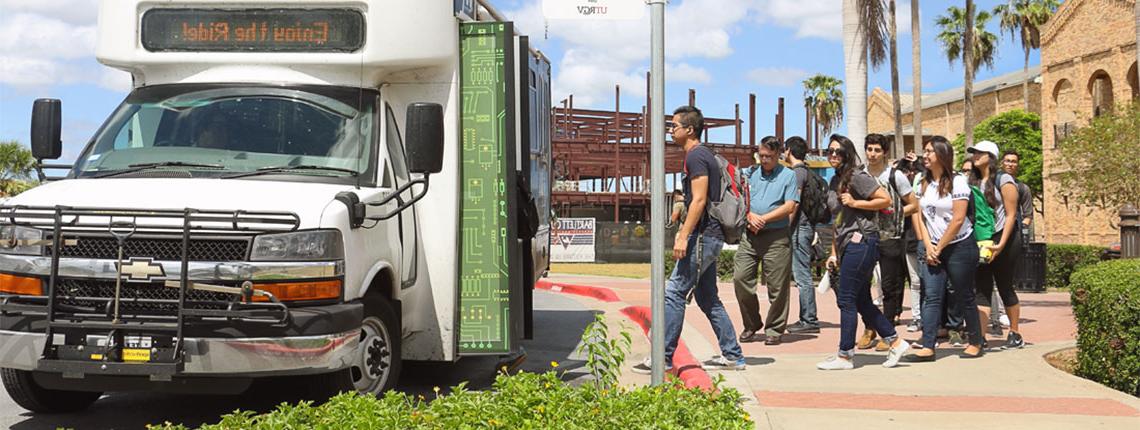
pixel 559 323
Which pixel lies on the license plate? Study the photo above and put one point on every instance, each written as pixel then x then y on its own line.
pixel 136 355
pixel 139 342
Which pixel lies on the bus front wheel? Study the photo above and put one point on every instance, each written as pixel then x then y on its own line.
pixel 377 364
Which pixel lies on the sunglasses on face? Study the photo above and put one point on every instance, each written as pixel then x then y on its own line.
pixel 838 152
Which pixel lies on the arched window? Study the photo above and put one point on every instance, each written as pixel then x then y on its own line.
pixel 1100 88
pixel 1065 105
pixel 1134 81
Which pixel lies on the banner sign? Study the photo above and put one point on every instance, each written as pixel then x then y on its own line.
pixel 572 240
pixel 593 9
pixel 488 249
pixel 465 10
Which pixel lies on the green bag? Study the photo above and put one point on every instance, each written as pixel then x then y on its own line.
pixel 982 215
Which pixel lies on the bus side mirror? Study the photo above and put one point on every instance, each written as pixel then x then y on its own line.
pixel 425 137
pixel 46 125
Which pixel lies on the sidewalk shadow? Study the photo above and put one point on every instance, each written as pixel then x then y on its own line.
pixel 1045 304
pixel 797 337
pixel 759 361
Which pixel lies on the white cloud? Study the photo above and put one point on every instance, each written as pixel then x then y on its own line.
pixel 47 43
pixel 77 12
pixel 684 72
pixel 819 18
pixel 777 76
pixel 599 54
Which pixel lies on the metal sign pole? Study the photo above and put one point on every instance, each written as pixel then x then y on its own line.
pixel 657 190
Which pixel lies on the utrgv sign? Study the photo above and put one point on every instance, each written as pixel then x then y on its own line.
pixel 593 9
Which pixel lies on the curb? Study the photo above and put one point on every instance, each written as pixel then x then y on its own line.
pixel 599 293
pixel 688 369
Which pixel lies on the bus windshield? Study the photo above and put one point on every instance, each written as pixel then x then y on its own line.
pixel 228 130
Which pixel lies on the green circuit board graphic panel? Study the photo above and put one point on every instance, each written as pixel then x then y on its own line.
pixel 483 273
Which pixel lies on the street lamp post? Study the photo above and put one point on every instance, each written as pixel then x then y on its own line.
pixel 657 190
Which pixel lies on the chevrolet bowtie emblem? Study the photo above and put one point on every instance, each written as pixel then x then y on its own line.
pixel 141 269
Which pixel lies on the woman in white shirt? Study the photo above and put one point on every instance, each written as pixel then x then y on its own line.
pixel 948 246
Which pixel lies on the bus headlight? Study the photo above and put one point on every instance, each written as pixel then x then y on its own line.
pixel 12 236
pixel 311 245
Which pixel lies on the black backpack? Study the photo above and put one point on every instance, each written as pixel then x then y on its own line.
pixel 813 198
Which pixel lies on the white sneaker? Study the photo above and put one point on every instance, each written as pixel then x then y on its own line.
pixel 895 354
pixel 1004 320
pixel 835 363
pixel 721 363
pixel 645 367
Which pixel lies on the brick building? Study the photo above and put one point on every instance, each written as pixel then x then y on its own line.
pixel 942 112
pixel 1088 57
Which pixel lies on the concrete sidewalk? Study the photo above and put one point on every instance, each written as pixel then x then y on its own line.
pixel 1005 389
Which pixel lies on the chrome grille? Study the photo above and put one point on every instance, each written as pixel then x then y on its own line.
pixel 94 295
pixel 157 248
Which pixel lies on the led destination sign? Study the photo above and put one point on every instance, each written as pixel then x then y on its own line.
pixel 253 30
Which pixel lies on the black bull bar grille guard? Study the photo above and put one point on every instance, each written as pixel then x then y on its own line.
pixel 79 308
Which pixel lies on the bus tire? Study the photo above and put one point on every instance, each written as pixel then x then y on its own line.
pixel 24 390
pixel 377 365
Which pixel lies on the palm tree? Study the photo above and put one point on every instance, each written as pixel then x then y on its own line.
pixel 823 99
pixel 958 26
pixel 16 164
pixel 865 37
pixel 916 70
pixel 895 97
pixel 1024 18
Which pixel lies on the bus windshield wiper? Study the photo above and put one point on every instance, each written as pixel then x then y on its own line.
pixel 280 169
pixel 146 166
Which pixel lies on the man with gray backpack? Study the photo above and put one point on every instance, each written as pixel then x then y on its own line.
pixel 698 244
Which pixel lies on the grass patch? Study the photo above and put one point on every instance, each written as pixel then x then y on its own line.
pixel 616 270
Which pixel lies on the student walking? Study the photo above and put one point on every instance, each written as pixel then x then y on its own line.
pixel 697 248
pixel 812 202
pixel 892 246
pixel 1000 193
pixel 773 199
pixel 948 251
pixel 855 197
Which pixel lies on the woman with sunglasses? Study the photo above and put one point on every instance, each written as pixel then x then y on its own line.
pixel 951 254
pixel 1000 192
pixel 855 197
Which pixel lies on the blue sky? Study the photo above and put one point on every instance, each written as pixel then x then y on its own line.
pixel 724 49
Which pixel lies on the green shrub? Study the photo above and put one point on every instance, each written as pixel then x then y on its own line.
pixel 724 264
pixel 1061 261
pixel 1106 303
pixel 523 400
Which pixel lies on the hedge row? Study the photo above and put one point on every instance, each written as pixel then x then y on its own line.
pixel 523 400
pixel 1106 303
pixel 1064 260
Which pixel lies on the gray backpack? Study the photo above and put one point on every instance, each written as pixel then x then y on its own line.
pixel 732 209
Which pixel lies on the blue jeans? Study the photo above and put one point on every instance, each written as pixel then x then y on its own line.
pixel 854 292
pixel 801 271
pixel 959 263
pixel 686 276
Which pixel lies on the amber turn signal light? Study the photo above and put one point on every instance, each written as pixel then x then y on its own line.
pixel 300 291
pixel 23 285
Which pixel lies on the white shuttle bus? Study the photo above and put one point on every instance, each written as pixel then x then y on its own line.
pixel 312 188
